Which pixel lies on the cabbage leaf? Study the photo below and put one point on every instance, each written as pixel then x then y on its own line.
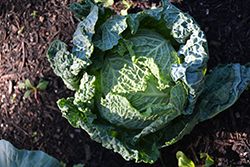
pixel 13 157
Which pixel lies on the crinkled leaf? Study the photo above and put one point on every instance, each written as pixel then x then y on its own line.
pixel 165 112
pixel 111 137
pixel 86 90
pixel 156 53
pixel 151 108
pixel 13 157
pixel 118 111
pixel 81 9
pixel 66 65
pixel 82 38
pixel 109 33
pixel 222 88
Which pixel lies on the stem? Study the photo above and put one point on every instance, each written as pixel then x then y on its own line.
pixel 35 94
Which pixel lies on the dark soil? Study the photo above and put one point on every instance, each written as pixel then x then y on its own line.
pixel 226 137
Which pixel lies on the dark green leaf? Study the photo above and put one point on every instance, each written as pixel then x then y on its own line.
pixel 42 84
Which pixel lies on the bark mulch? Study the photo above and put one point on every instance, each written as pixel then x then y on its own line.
pixel 40 126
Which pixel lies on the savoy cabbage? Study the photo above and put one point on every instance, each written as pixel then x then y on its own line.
pixel 140 79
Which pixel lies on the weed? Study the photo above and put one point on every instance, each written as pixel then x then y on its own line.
pixel 42 85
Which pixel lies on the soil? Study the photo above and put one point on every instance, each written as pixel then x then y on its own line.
pixel 30 125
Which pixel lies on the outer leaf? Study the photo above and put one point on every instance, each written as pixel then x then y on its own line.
pixel 193 52
pixel 223 87
pixel 68 66
pixel 83 46
pixel 12 157
pixel 111 137
pixel 81 9
pixel 110 32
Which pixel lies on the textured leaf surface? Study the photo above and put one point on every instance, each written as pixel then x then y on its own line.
pixel 109 33
pixel 156 53
pixel 145 88
pixel 118 111
pixel 13 157
pixel 223 87
pixel 66 65
pixel 82 9
pixel 82 38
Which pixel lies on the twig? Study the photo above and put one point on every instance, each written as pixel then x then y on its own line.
pixel 53 108
pixel 12 76
pixel 245 144
pixel 195 156
pixel 23 58
pixel 21 129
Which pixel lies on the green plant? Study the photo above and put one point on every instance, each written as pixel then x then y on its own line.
pixel 20 30
pixel 124 12
pixel 183 161
pixel 34 134
pixel 42 85
pixel 33 14
pixel 140 79
pixel 106 3
pixel 13 98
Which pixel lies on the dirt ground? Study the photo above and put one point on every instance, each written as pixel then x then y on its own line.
pixel 40 126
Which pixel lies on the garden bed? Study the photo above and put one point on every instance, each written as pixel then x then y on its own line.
pixel 27 28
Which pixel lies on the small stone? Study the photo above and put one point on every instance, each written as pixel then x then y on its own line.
pixel 41 19
pixel 13 28
pixel 237 115
pixel 56 136
pixel 72 135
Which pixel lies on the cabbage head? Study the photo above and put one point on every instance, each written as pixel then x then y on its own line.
pixel 140 79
